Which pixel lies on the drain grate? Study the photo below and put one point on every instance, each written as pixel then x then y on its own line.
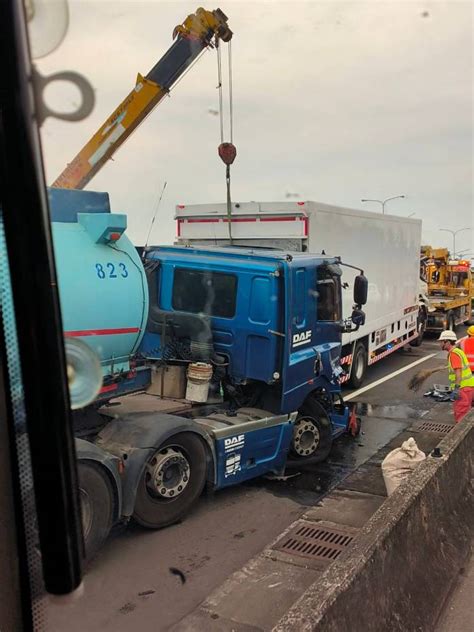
pixel 432 426
pixel 315 541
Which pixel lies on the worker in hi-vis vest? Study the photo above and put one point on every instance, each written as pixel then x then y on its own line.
pixel 460 376
pixel 467 345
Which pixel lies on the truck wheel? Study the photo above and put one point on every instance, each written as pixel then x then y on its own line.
pixel 172 481
pixel 358 366
pixel 416 342
pixel 97 505
pixel 312 435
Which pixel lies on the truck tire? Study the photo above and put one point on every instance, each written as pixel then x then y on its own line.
pixel 172 481
pixel 421 324
pixel 97 505
pixel 312 435
pixel 358 366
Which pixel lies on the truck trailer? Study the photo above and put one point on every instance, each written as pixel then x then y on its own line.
pixel 385 246
pixel 267 325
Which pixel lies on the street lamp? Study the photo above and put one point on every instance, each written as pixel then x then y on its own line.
pixel 454 233
pixel 383 202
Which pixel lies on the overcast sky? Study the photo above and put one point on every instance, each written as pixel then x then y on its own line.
pixel 333 101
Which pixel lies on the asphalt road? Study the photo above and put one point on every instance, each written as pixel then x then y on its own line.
pixel 130 585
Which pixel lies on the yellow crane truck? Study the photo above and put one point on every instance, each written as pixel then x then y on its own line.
pixel 450 288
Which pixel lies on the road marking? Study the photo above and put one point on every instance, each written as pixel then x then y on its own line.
pixel 388 377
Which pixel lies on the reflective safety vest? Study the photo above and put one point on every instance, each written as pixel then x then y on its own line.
pixel 467 345
pixel 467 378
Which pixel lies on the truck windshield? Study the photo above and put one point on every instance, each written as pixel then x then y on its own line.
pixel 201 291
pixel 457 279
pixel 328 294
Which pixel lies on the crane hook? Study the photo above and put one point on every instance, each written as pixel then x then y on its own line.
pixel 227 153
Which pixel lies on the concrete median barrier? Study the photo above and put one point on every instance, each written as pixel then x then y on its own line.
pixel 402 565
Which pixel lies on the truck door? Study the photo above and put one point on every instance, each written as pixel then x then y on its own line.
pixel 243 310
pixel 328 303
pixel 301 354
pixel 314 316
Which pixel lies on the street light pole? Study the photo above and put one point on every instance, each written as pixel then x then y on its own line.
pixel 383 202
pixel 454 233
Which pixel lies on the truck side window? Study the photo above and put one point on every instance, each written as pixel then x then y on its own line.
pixel 329 295
pixel 201 291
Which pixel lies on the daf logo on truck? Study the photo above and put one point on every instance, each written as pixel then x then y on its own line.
pixel 301 339
pixel 234 443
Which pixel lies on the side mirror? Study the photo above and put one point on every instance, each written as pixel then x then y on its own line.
pixel 358 317
pixel 353 323
pixel 361 286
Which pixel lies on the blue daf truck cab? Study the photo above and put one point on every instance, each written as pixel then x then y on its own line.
pixel 269 325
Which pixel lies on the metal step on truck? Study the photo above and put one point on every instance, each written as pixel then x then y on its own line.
pixel 385 246
pixel 217 365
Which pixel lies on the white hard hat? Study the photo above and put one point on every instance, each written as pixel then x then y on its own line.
pixel 448 335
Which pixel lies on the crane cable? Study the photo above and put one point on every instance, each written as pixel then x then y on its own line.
pixel 219 85
pixel 231 102
pixel 227 150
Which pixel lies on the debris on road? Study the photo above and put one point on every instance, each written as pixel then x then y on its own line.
pixel 285 477
pixel 440 392
pixel 178 573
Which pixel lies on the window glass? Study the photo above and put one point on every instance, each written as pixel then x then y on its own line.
pixel 200 291
pixel 329 295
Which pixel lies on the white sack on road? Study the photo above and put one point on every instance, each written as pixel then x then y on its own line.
pixel 399 463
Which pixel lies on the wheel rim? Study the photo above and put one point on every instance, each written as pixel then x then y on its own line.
pixel 86 512
pixel 167 473
pixel 306 437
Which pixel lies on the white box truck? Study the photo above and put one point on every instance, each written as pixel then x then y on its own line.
pixel 386 247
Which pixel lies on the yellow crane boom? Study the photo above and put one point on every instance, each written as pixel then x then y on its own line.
pixel 199 31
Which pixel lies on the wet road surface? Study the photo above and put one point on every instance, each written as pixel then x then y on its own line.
pixel 130 584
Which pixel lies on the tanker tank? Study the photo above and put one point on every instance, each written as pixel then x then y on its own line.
pixel 102 284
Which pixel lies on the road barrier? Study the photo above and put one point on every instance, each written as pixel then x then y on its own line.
pixel 404 561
